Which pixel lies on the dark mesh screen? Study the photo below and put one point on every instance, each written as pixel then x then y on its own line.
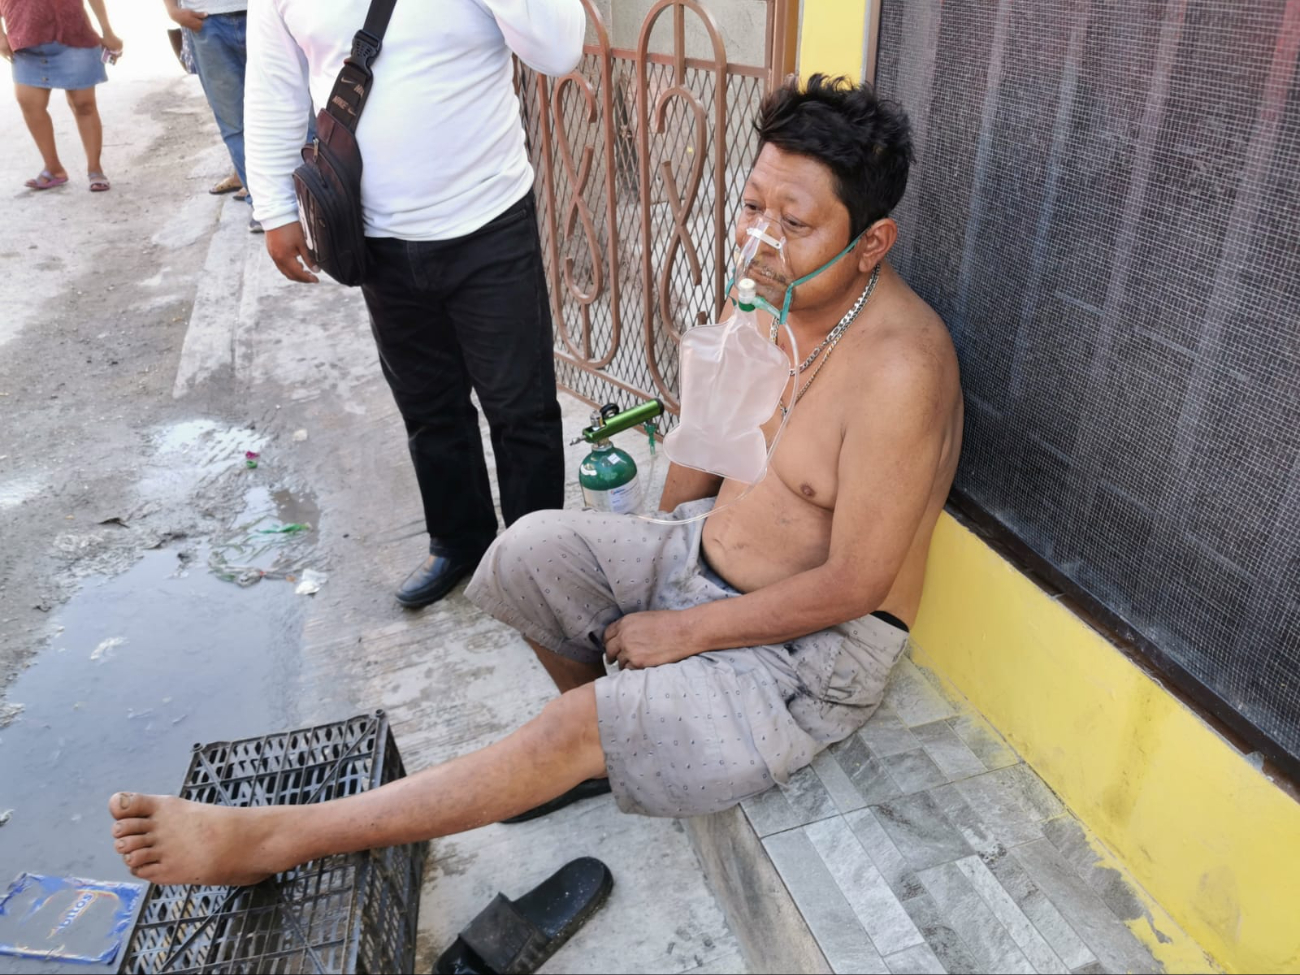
pixel 1104 210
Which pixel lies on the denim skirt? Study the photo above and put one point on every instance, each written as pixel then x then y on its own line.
pixel 56 65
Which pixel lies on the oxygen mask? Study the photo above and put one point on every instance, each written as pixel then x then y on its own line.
pixel 759 254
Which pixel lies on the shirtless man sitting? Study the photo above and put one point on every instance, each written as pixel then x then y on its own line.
pixel 747 642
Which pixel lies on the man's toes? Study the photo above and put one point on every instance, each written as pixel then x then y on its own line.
pixel 130 827
pixel 130 805
pixel 141 858
pixel 136 841
pixel 149 871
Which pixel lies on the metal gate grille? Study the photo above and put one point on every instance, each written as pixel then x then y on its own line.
pixel 640 156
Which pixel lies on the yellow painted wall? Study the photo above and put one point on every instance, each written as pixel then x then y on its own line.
pixel 830 37
pixel 1210 837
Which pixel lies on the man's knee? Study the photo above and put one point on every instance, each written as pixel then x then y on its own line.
pixel 531 538
pixel 570 722
pixel 522 555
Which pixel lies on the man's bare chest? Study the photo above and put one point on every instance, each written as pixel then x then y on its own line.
pixel 806 461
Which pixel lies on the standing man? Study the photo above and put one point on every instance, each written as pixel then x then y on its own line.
pixel 455 286
pixel 217 36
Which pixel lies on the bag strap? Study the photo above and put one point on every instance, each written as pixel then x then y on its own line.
pixel 352 87
pixel 367 42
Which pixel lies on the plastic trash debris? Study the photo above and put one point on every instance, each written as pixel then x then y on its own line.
pixel 299 436
pixel 106 647
pixel 5 816
pixel 251 455
pixel 66 918
pixel 311 582
pixel 250 464
pixel 289 529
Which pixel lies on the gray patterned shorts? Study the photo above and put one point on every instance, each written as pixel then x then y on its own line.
pixel 699 735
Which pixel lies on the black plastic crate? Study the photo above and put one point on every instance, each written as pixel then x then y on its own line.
pixel 347 913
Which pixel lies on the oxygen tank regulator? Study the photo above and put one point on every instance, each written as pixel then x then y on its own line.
pixel 608 474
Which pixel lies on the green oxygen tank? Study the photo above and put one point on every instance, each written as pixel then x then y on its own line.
pixel 608 474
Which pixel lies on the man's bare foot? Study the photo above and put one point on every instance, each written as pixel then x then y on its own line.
pixel 167 840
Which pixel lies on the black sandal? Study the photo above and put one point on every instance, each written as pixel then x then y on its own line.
pixel 583 790
pixel 517 937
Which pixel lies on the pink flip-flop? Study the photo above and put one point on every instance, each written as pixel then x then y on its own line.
pixel 46 181
pixel 99 183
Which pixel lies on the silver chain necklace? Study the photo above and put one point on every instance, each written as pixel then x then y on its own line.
pixel 832 338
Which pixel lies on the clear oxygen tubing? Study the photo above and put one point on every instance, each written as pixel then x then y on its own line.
pixel 771 450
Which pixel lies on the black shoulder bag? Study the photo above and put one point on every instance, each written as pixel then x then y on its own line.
pixel 328 182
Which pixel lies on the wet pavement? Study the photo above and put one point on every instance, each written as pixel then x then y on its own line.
pixel 145 665
pixel 196 642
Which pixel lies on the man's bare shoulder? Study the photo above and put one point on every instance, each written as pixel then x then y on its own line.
pixel 906 355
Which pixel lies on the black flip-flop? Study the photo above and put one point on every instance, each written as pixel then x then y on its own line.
pixel 517 937
pixel 583 790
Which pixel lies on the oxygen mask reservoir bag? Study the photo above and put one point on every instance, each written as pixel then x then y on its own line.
pixel 732 378
pixel 733 374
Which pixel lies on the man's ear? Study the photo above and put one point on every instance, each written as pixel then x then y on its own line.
pixel 876 243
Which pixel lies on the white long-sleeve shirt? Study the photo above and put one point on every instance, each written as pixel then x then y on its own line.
pixel 442 144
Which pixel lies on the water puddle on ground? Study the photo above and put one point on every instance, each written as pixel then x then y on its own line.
pixel 273 538
pixel 147 664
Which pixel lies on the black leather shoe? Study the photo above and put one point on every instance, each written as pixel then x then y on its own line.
pixel 436 576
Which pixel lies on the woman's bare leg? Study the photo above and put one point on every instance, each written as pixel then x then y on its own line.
pixel 35 103
pixel 86 111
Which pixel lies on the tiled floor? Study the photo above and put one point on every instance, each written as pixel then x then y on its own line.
pixel 924 844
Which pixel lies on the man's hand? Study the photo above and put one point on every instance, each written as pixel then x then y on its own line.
pixel 286 245
pixel 186 18
pixel 649 639
pixel 6 51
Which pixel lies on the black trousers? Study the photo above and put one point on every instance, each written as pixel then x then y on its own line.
pixel 449 316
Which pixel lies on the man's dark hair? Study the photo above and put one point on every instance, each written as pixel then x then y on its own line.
pixel 866 142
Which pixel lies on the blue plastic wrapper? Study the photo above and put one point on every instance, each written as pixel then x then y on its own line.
pixel 66 918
